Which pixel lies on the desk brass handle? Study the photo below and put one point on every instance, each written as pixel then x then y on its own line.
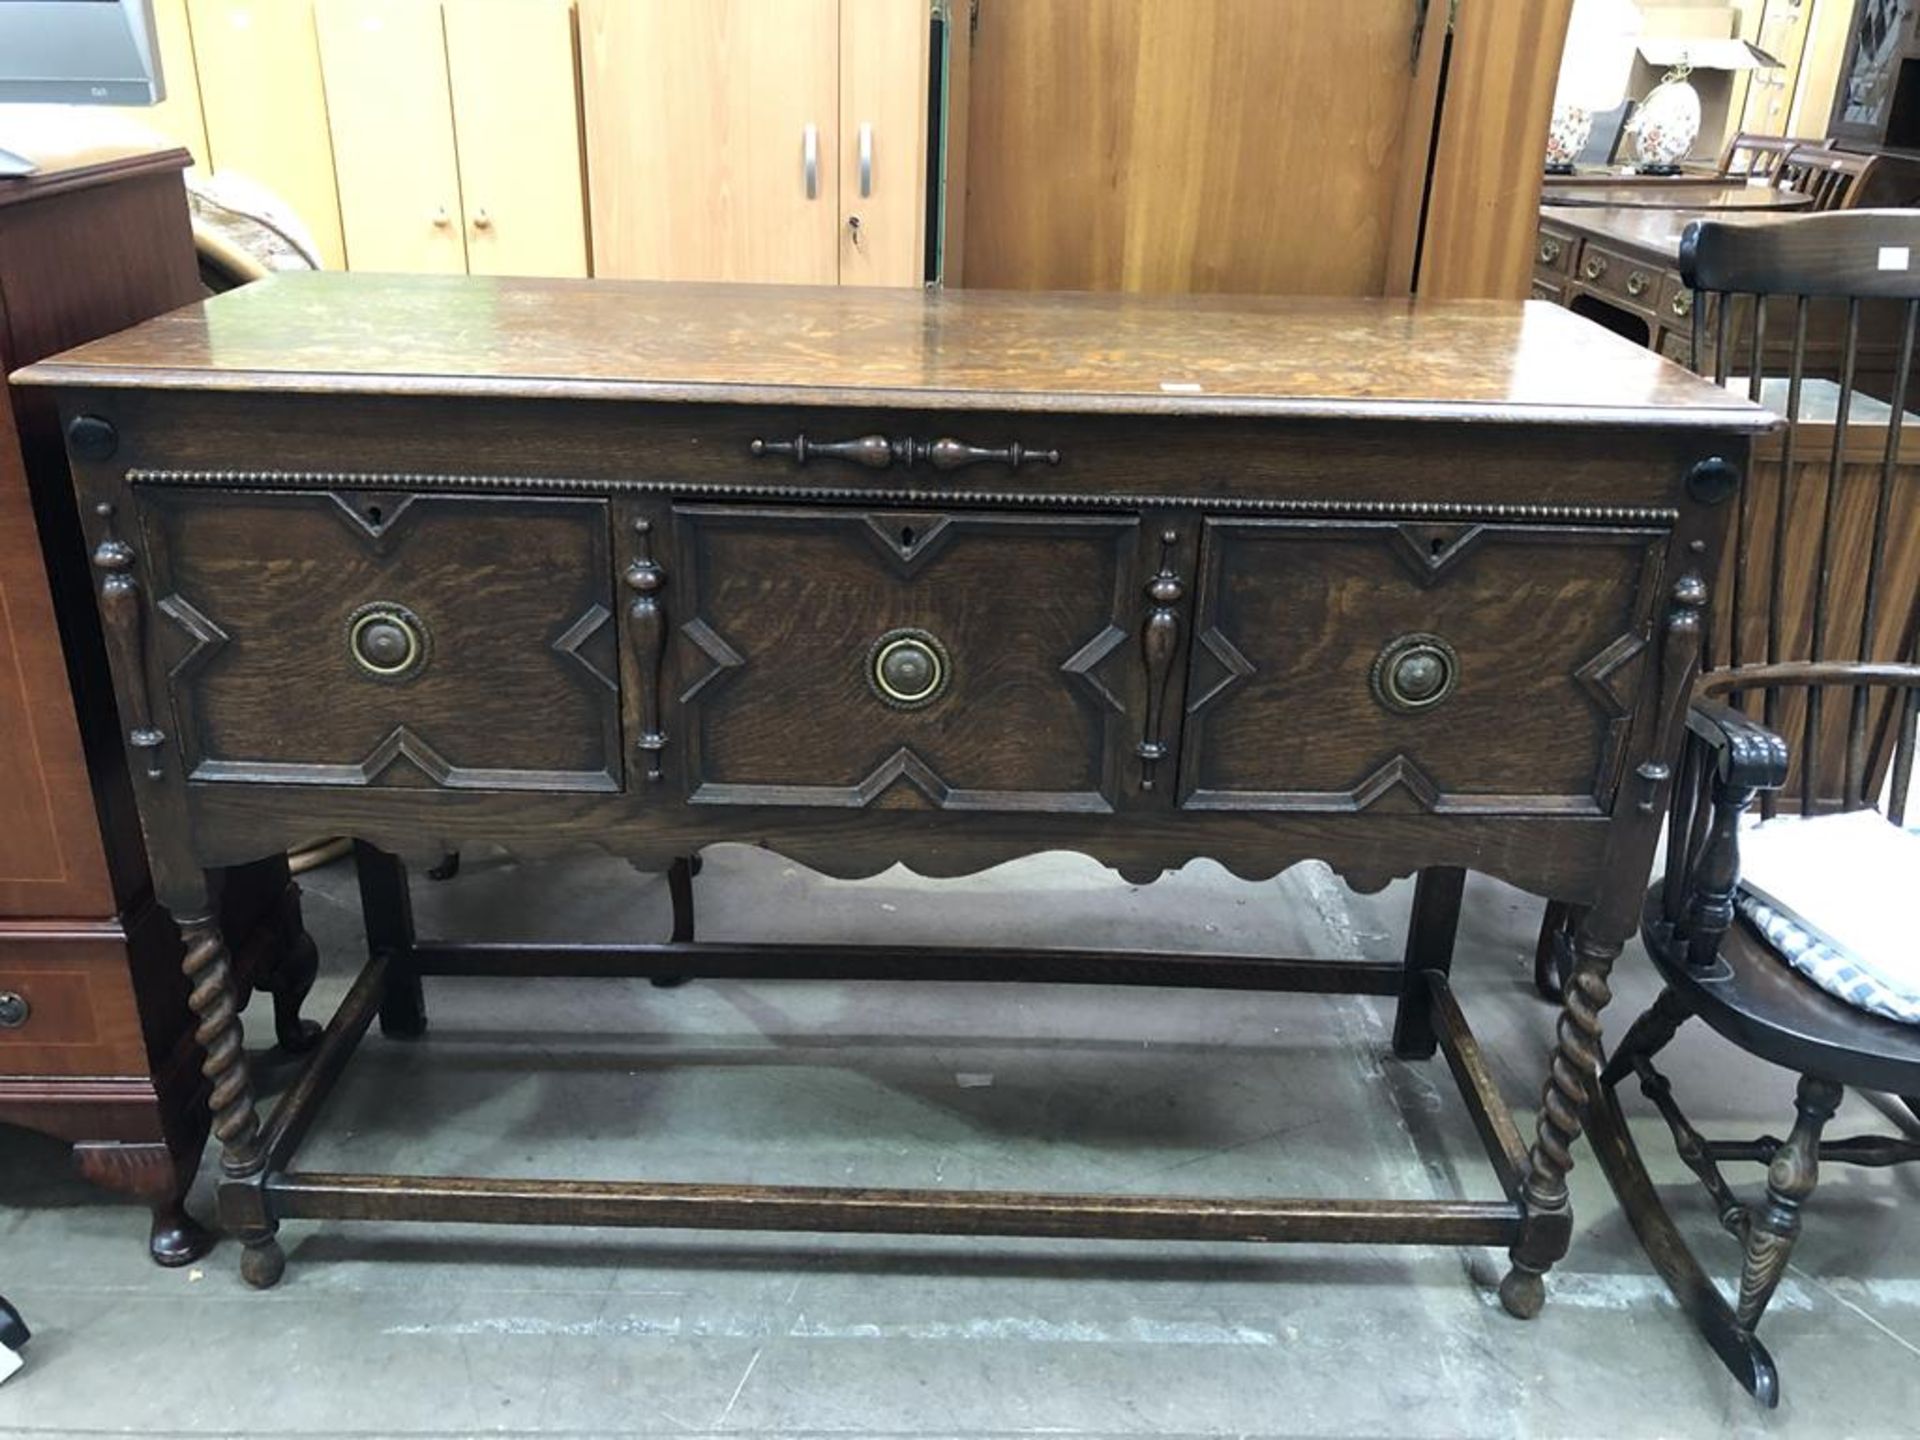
pixel 1595 267
pixel 877 452
pixel 1638 281
pixel 387 641
pixel 1682 303
pixel 14 1010
pixel 1550 248
pixel 1414 672
pixel 908 669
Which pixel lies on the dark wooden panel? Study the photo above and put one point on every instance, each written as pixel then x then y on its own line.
pixel 783 614
pixel 1548 625
pixel 256 595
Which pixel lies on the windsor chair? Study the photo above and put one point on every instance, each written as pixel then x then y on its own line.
pixel 1836 179
pixel 1841 676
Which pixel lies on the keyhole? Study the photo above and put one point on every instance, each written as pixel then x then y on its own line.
pixel 373 514
pixel 1437 545
pixel 906 537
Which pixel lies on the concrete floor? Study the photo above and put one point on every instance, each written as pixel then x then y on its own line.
pixel 387 1330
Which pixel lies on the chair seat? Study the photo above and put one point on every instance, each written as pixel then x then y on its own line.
pixel 1762 1004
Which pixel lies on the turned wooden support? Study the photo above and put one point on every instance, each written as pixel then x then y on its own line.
pixel 1773 1227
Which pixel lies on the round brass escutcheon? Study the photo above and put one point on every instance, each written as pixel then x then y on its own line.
pixel 1415 673
pixel 908 668
pixel 14 1010
pixel 387 641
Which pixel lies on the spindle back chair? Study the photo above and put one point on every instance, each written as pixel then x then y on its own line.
pixel 1835 179
pixel 1851 664
pixel 1758 158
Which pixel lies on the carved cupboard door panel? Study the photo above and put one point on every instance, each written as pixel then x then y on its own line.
pixel 387 638
pixel 956 661
pixel 1415 667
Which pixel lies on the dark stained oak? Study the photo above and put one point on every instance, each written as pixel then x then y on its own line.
pixel 957 350
pixel 104 1056
pixel 878 578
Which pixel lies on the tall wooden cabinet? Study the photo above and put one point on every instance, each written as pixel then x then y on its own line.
pixel 777 140
pixel 488 179
pixel 96 1039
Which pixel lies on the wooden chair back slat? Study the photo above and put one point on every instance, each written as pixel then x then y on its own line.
pixel 1838 528
pixel 1759 157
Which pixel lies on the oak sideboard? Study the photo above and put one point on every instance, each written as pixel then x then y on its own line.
pixel 877 577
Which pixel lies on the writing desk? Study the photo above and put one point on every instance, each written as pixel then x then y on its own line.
pixel 867 577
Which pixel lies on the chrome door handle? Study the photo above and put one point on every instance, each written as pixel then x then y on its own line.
pixel 866 161
pixel 810 159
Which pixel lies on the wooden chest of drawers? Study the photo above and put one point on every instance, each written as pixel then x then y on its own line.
pixel 871 578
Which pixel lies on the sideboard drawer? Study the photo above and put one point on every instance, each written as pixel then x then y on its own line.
pixel 1448 668
pixel 356 637
pixel 955 660
pixel 1633 282
pixel 67 1007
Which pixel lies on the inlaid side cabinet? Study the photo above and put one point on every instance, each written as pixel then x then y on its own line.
pixel 97 1043
pixel 868 577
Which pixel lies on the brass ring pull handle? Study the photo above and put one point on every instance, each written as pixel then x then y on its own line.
pixel 1682 303
pixel 387 641
pixel 1595 267
pixel 14 1010
pixel 877 452
pixel 1638 282
pixel 908 669
pixel 1550 248
pixel 1414 673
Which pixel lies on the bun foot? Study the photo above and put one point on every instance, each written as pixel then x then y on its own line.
pixel 1523 1293
pixel 177 1238
pixel 262 1263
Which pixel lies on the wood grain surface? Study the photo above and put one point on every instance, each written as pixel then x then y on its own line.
pixel 959 350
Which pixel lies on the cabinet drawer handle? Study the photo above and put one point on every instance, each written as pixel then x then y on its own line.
pixel 14 1010
pixel 810 159
pixel 1550 247
pixel 125 614
pixel 1595 267
pixel 1682 303
pixel 647 627
pixel 866 161
pixel 1638 281
pixel 1159 639
pixel 877 452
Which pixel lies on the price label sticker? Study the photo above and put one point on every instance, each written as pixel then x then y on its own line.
pixel 1894 257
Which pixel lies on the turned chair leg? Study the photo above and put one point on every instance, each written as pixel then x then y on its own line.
pixel 1774 1226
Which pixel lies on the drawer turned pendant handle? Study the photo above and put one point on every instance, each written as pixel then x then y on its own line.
pixel 125 614
pixel 1159 638
pixel 877 452
pixel 647 625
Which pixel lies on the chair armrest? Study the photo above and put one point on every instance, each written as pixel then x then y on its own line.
pixel 1747 755
pixel 1746 759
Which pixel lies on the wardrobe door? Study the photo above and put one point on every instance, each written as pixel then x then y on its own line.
pixel 711 129
pixel 516 111
pixel 391 119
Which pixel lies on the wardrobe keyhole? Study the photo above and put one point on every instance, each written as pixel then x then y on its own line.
pixel 373 514
pixel 906 537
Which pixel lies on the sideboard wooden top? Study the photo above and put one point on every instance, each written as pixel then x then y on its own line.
pixel 960 349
